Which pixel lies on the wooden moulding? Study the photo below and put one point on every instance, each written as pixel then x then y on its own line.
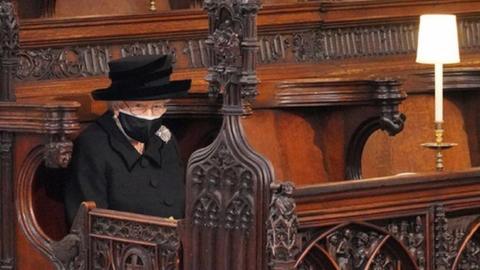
pixel 181 23
pixel 454 80
pixel 47 118
pixel 331 92
pixel 376 197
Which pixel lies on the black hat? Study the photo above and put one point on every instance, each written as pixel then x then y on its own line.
pixel 144 77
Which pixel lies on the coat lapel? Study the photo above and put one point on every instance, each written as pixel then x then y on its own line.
pixel 118 141
pixel 153 150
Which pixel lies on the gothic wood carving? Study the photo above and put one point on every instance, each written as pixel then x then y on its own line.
pixel 282 227
pixel 132 242
pixel 387 96
pixel 55 121
pixel 58 152
pixel 442 238
pixel 227 182
pixel 411 232
pixel 468 256
pixel 8 62
pixel 355 246
pixel 456 245
pixel 300 46
pixel 9 49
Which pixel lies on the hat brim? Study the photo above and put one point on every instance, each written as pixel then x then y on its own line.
pixel 174 89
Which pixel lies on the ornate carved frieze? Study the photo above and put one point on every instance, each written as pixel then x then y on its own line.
pixel 149 246
pixel 147 48
pixel 282 226
pixel 60 63
pixel 196 52
pixel 312 45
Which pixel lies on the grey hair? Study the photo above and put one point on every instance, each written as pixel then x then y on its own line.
pixel 114 104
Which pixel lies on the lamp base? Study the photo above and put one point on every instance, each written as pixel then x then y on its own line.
pixel 439 146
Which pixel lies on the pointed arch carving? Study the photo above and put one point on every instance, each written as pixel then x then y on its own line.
pixel 355 246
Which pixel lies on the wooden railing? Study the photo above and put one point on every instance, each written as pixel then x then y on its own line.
pixel 415 221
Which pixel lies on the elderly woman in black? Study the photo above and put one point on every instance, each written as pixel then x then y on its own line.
pixel 128 160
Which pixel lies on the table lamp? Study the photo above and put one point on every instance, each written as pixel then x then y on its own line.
pixel 438 45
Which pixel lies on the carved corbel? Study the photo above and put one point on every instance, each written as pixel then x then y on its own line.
pixel 58 152
pixel 387 96
pixel 282 228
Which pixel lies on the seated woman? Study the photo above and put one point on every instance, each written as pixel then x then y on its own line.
pixel 127 160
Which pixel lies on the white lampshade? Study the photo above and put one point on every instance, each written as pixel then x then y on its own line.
pixel 438 39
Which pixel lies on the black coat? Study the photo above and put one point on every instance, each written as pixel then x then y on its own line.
pixel 107 169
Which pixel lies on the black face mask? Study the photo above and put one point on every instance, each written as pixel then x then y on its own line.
pixel 138 128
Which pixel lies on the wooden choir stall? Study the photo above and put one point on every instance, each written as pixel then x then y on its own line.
pixel 301 139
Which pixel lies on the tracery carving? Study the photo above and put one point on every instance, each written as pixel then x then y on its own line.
pixel 206 211
pixel 238 214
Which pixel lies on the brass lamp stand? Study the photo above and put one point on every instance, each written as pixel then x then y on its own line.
pixel 438 45
pixel 439 146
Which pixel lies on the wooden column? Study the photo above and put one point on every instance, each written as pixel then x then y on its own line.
pixel 228 183
pixel 8 62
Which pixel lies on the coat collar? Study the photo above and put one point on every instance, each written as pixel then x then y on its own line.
pixel 124 148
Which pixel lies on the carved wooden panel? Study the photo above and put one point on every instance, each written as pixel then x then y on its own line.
pixel 296 47
pixel 124 244
pixel 354 246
